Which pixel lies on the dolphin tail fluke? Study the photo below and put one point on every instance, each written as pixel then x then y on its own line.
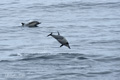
pixel 49 34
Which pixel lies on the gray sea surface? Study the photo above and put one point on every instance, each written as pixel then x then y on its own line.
pixel 92 28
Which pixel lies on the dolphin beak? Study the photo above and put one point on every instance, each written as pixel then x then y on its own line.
pixel 49 34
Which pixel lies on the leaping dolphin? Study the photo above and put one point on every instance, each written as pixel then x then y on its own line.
pixel 60 39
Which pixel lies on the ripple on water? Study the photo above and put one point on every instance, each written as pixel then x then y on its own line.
pixel 6 49
pixel 100 72
pixel 106 42
pixel 108 59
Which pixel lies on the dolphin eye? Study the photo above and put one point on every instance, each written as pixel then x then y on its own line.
pixel 67 43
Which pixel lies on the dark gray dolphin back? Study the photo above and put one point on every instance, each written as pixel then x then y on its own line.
pixel 57 37
pixel 60 39
pixel 31 24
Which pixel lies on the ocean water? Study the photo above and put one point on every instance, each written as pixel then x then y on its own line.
pixel 92 28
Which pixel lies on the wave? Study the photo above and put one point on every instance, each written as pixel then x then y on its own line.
pixel 105 42
pixel 108 59
pixel 84 5
pixel 45 56
pixel 101 72
pixel 5 61
pixel 72 6
pixel 50 56
pixel 59 57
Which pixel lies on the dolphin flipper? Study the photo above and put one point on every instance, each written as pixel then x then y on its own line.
pixel 61 45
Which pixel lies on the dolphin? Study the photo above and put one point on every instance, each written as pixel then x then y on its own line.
pixel 60 39
pixel 31 24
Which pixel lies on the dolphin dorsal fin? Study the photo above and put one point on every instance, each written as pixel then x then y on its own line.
pixel 23 24
pixel 58 33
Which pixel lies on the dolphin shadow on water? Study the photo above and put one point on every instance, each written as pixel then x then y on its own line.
pixel 60 39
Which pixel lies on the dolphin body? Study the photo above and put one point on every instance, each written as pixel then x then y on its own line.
pixel 60 39
pixel 31 24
